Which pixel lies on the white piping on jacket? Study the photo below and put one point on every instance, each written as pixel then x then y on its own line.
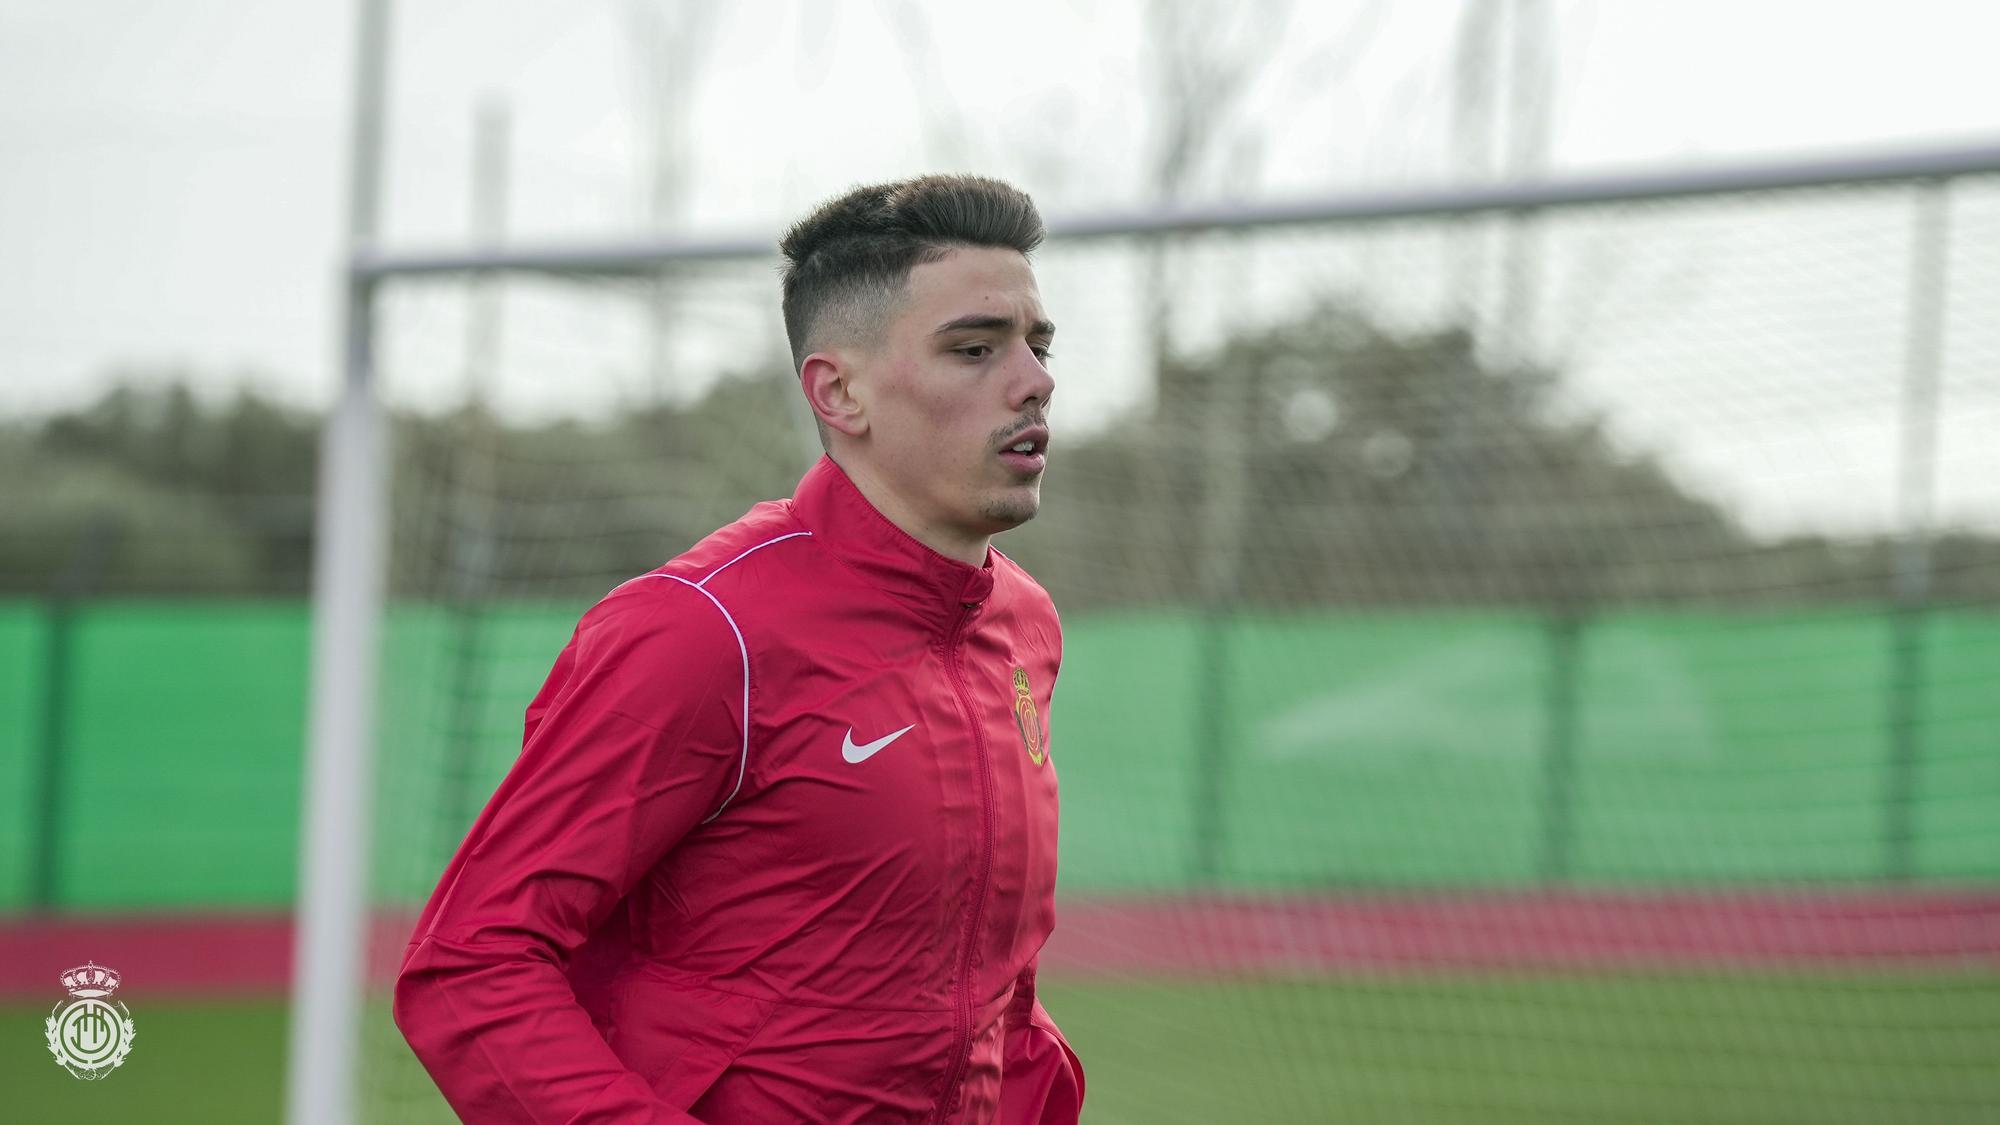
pixel 742 763
pixel 753 550
pixel 701 587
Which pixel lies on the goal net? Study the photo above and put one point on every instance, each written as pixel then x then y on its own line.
pixel 1520 666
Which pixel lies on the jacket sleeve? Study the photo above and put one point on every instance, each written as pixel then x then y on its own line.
pixel 637 736
pixel 1041 1079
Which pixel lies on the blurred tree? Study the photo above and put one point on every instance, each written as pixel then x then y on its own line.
pixel 1205 59
pixel 199 498
pixel 1378 466
pixel 1384 466
pixel 87 526
pixel 578 507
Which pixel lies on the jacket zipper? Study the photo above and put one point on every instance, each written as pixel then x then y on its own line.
pixel 962 1048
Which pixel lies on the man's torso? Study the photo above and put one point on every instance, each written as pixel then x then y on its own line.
pixel 841 940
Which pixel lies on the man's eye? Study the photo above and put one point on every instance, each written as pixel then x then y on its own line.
pixel 968 351
pixel 1044 354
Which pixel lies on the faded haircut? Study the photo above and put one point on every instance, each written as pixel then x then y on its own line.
pixel 848 262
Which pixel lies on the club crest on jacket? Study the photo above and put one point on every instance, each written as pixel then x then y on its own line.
pixel 1028 718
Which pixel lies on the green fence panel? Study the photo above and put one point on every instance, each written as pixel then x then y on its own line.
pixel 409 766
pixel 1721 746
pixel 23 692
pixel 182 785
pixel 1957 788
pixel 1122 727
pixel 452 714
pixel 1387 748
pixel 1349 749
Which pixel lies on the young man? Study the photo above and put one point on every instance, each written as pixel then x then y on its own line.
pixel 781 842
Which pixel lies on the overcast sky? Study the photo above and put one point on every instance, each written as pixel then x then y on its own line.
pixel 172 186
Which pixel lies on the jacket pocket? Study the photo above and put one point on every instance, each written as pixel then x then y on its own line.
pixel 681 1038
pixel 1041 1079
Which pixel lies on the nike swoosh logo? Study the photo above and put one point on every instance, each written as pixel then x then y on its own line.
pixel 858 754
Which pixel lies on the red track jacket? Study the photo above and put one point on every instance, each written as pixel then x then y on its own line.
pixel 780 847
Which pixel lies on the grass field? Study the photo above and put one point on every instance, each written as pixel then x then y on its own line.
pixel 1681 1047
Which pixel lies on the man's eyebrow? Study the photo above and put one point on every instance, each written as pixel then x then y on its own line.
pixel 988 322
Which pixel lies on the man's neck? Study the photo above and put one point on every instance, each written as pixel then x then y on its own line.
pixel 946 541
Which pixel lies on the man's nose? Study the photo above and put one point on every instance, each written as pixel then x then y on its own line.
pixel 1035 384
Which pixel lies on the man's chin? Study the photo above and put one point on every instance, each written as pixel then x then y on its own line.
pixel 1012 508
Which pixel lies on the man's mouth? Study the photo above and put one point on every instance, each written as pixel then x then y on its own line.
pixel 1027 452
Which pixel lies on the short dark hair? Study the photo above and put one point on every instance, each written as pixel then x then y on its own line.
pixel 851 258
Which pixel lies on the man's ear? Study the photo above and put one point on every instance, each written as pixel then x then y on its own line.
pixel 827 378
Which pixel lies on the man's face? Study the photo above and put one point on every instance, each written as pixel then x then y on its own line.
pixel 958 379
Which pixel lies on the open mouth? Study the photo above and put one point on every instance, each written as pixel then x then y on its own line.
pixel 1028 451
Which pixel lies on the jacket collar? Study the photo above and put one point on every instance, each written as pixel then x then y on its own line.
pixel 843 521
